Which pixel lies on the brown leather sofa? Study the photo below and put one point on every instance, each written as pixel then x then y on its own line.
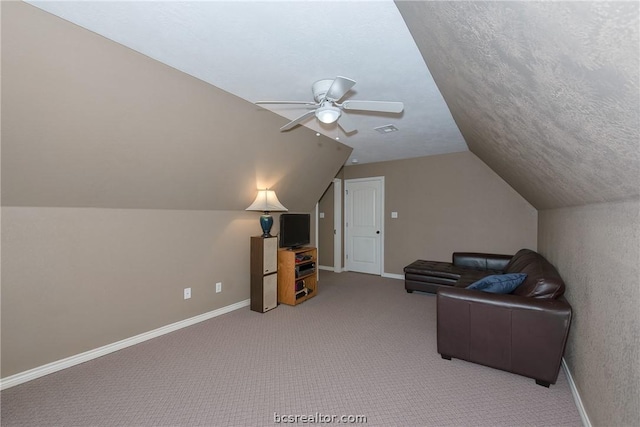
pixel 524 332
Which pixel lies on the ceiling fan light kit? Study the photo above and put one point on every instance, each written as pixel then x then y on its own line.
pixel 327 94
pixel 327 113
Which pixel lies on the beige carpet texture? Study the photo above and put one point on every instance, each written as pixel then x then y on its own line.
pixel 362 352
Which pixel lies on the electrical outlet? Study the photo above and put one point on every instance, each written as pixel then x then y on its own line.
pixel 218 287
pixel 187 293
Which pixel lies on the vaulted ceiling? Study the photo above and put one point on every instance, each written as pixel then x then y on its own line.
pixel 276 50
pixel 87 122
pixel 546 93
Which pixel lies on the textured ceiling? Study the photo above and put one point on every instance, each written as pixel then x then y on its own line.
pixel 545 93
pixel 275 50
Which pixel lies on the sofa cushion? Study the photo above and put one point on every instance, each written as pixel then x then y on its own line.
pixel 543 281
pixel 470 276
pixel 480 260
pixel 499 283
pixel 519 260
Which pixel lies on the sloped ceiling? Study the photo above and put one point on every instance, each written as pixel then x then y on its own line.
pixel 545 93
pixel 274 50
pixel 87 122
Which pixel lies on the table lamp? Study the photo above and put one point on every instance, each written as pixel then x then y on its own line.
pixel 266 201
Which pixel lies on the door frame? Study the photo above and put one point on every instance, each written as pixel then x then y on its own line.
pixel 337 225
pixel 380 179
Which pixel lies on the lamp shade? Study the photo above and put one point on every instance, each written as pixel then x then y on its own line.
pixel 328 113
pixel 266 201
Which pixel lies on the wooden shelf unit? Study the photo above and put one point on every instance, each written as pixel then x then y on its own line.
pixel 306 279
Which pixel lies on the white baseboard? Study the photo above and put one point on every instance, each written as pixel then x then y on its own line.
pixel 387 275
pixel 49 368
pixel 325 267
pixel 576 396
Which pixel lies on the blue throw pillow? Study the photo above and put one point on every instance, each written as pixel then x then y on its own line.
pixel 499 283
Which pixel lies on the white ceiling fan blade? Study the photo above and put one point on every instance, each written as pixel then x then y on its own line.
pixel 346 124
pixel 339 88
pixel 379 106
pixel 287 102
pixel 297 121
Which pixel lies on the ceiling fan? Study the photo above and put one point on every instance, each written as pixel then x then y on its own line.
pixel 327 94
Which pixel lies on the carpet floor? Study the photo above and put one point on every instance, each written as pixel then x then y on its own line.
pixel 361 347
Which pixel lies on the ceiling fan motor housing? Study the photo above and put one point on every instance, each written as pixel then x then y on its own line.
pixel 320 89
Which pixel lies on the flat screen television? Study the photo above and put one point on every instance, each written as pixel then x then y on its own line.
pixel 295 230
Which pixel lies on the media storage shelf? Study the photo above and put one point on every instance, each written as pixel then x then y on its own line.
pixel 297 279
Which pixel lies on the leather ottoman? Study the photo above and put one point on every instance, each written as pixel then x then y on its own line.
pixel 466 268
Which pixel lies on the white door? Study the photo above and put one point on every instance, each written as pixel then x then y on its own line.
pixel 363 225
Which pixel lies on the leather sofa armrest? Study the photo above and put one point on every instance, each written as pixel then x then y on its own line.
pixel 481 261
pixel 518 334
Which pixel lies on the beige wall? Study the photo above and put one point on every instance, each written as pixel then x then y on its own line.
pixel 448 203
pixel 87 122
pixel 124 182
pixel 325 228
pixel 77 279
pixel 596 249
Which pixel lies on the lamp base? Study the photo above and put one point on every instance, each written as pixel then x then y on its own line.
pixel 266 221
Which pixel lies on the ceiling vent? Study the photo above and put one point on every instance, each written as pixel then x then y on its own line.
pixel 386 129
